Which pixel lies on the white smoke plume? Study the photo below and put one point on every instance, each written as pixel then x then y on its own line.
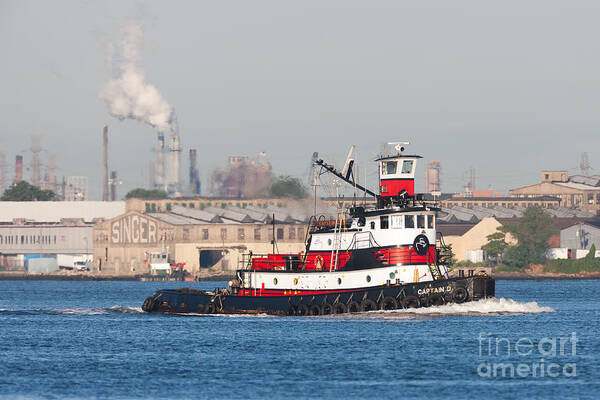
pixel 128 95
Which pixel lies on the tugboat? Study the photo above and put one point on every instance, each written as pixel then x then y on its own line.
pixel 384 257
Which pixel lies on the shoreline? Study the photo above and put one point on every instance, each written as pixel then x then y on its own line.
pixel 91 278
pixel 500 276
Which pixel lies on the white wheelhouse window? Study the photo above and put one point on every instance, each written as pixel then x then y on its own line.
pixel 389 167
pixel 396 222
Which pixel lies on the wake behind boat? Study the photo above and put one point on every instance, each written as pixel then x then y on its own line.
pixel 381 258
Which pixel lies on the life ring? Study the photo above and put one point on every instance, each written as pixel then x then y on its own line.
pixel 368 305
pixel 340 308
pixel 411 302
pixel 319 262
pixel 353 307
pixel 388 303
pixel 460 295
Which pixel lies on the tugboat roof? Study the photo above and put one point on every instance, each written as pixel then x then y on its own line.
pixel 398 156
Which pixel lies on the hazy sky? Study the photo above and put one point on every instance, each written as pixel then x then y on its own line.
pixel 506 87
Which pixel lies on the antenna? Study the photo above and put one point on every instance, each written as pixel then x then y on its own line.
pixel 399 146
pixel 315 178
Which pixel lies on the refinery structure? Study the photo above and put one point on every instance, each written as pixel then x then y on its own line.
pixel 42 169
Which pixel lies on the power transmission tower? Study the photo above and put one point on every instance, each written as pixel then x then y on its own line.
pixel 584 164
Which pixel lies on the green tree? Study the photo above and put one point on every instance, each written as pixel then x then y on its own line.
pixel 496 244
pixel 140 193
pixel 24 191
pixel 287 186
pixel 532 233
pixel 591 254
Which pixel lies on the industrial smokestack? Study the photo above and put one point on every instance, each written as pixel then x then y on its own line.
pixel 160 162
pixel 18 169
pixel 194 179
pixel 175 162
pixel 113 185
pixel 105 159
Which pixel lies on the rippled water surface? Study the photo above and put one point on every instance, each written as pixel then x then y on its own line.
pixel 91 340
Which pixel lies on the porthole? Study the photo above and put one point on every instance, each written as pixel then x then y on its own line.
pixel 295 281
pixel 274 281
pixel 392 275
pixel 329 242
pixel 368 278
pixel 339 281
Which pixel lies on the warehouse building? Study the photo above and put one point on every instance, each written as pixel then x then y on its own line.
pixel 207 241
pixel 45 236
pixel 577 191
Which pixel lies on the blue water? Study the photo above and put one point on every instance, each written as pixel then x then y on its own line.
pixel 90 340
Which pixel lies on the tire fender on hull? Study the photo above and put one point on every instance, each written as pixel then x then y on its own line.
pixel 340 308
pixel 211 308
pixel 353 307
pixel 302 310
pixel 460 294
pixel 314 309
pixel 411 302
pixel 435 300
pixel 326 309
pixel 368 305
pixel 149 304
pixel 388 303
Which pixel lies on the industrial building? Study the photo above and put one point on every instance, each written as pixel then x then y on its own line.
pixel 580 236
pixel 44 247
pixel 200 203
pixel 466 239
pixel 577 191
pixel 43 236
pixel 206 241
pixel 57 211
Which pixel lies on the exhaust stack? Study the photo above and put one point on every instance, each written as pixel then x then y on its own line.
pixel 194 179
pixel 105 163
pixel 113 185
pixel 18 169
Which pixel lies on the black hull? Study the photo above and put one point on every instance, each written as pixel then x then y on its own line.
pixel 454 290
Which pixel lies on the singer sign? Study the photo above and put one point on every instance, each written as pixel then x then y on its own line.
pixel 133 229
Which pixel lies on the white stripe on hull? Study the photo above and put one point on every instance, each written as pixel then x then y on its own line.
pixel 337 280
